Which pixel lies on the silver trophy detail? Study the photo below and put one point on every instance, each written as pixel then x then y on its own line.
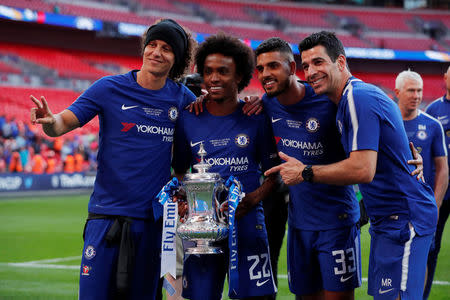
pixel 205 223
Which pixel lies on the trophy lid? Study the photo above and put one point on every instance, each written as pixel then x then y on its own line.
pixel 202 168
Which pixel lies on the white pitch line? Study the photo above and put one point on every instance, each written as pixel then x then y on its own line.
pixel 41 266
pixel 44 264
pixel 53 260
pixel 364 279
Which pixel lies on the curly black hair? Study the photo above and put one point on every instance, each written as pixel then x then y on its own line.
pixel 327 39
pixel 229 46
pixel 181 69
pixel 275 44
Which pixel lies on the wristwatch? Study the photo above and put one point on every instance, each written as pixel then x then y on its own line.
pixel 308 173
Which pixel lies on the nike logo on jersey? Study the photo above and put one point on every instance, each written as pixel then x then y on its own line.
pixel 261 283
pixel 344 279
pixel 380 291
pixel 128 107
pixel 195 144
pixel 276 120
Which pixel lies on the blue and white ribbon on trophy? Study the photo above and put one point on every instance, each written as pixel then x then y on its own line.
pixel 168 242
pixel 234 197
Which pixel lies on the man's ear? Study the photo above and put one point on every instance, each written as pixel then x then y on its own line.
pixel 342 62
pixel 293 67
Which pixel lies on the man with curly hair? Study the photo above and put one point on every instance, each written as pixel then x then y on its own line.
pixel 138 112
pixel 236 144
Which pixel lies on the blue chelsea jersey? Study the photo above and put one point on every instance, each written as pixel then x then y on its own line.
pixel 428 137
pixel 440 109
pixel 369 120
pixel 236 144
pixel 135 140
pixel 307 131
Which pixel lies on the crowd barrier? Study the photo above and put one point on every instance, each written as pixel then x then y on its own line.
pixel 10 183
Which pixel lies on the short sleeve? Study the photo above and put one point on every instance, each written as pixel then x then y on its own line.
pixel 87 106
pixel 439 147
pixel 363 119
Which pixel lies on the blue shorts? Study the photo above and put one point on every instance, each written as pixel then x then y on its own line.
pixel 397 263
pixel 99 261
pixel 204 275
pixel 323 260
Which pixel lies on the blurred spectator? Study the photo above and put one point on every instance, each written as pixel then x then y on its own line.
pixel 38 164
pixel 79 161
pixel 20 141
pixel 69 164
pixel 51 163
pixel 3 168
pixel 15 165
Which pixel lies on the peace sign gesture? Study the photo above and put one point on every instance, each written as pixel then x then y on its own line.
pixel 41 114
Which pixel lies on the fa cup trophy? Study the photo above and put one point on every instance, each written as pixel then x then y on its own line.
pixel 204 224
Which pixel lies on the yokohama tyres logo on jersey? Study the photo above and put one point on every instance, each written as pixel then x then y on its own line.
pixel 166 132
pixel 309 148
pixel 236 164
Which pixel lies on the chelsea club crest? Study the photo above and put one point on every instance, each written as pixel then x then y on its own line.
pixel 242 140
pixel 312 125
pixel 89 253
pixel 173 113
pixel 421 134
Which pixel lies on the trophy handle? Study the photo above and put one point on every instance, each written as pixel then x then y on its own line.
pixel 181 198
pixel 221 203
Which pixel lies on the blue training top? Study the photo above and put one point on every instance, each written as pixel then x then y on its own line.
pixel 428 137
pixel 440 109
pixel 136 133
pixel 307 131
pixel 369 120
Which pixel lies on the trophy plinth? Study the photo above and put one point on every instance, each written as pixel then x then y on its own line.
pixel 202 225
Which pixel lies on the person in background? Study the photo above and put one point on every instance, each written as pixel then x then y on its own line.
pixel 38 163
pixel 440 109
pixel 15 164
pixel 424 131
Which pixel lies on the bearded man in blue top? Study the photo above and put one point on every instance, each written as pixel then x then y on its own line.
pixel 323 236
pixel 402 209
pixel 138 112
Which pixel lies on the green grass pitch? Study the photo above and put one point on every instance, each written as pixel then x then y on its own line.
pixel 41 244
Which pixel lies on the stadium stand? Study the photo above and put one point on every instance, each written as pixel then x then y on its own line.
pixel 6 68
pixel 65 64
pixel 44 70
pixel 163 6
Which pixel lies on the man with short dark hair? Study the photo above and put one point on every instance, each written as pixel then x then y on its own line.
pixel 323 237
pixel 137 113
pixel 402 209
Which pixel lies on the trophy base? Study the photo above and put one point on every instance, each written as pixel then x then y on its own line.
pixel 204 250
pixel 203 247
